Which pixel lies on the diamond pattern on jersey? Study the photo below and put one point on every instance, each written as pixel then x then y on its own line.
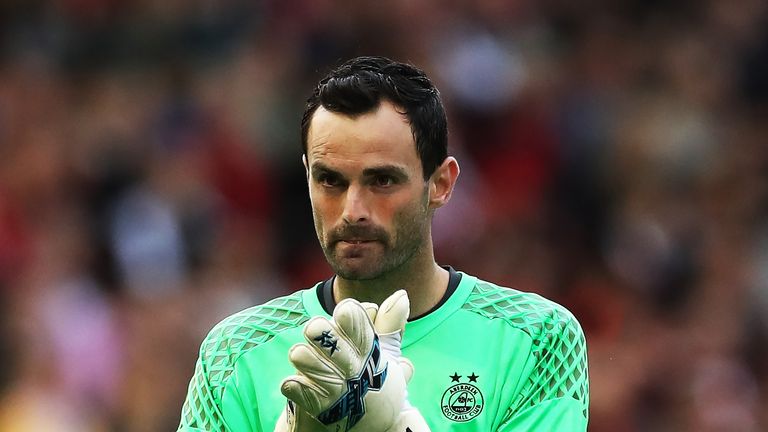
pixel 226 342
pixel 559 347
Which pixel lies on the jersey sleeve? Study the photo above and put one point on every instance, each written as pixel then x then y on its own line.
pixel 555 395
pixel 213 404
pixel 202 410
pixel 222 394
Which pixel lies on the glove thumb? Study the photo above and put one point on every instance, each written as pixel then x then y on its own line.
pixel 393 313
pixel 407 368
pixel 371 309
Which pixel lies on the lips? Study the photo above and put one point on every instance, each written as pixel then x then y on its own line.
pixel 355 241
pixel 358 235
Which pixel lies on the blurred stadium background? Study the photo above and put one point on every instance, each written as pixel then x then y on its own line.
pixel 614 157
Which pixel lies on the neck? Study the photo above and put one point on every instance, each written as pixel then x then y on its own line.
pixel 421 277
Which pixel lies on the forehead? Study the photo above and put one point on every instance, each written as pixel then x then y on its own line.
pixel 380 136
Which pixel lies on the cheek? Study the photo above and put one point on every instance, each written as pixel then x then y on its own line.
pixel 410 212
pixel 325 208
pixel 323 211
pixel 394 209
pixel 317 212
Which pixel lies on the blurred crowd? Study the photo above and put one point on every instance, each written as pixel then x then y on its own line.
pixel 614 157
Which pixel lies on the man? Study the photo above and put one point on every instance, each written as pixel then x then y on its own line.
pixel 479 357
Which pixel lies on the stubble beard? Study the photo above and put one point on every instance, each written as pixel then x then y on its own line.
pixel 392 252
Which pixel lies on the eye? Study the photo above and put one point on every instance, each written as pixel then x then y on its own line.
pixel 328 180
pixel 383 181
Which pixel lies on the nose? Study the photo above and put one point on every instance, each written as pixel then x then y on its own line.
pixel 355 206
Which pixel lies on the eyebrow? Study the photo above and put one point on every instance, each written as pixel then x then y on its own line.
pixel 393 170
pixel 320 168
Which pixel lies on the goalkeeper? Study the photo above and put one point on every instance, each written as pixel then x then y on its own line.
pixel 355 352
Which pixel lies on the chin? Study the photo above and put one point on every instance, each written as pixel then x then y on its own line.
pixel 357 273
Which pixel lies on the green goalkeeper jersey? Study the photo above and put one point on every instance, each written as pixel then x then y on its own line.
pixel 488 358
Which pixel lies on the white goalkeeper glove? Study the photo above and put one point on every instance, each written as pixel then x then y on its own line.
pixel 350 375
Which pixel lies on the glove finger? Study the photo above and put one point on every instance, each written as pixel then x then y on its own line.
pixel 304 393
pixel 407 368
pixel 332 344
pixel 393 313
pixel 353 320
pixel 316 367
pixel 371 309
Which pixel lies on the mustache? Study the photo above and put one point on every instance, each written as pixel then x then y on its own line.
pixel 367 232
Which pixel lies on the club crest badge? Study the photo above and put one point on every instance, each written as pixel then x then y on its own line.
pixel 463 401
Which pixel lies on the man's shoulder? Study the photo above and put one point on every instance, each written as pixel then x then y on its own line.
pixel 526 311
pixel 558 352
pixel 255 325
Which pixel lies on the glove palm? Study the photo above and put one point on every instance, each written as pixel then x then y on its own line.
pixel 350 376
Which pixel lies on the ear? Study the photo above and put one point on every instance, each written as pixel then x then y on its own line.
pixel 306 165
pixel 442 181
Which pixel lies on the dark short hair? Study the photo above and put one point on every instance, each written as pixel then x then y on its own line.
pixel 359 85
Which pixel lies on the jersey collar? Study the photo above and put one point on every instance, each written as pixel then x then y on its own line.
pixel 327 302
pixel 318 301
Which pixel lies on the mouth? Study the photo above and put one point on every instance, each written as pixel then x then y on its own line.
pixel 355 241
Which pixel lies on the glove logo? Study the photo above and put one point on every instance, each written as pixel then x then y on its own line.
pixel 351 403
pixel 463 401
pixel 327 341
